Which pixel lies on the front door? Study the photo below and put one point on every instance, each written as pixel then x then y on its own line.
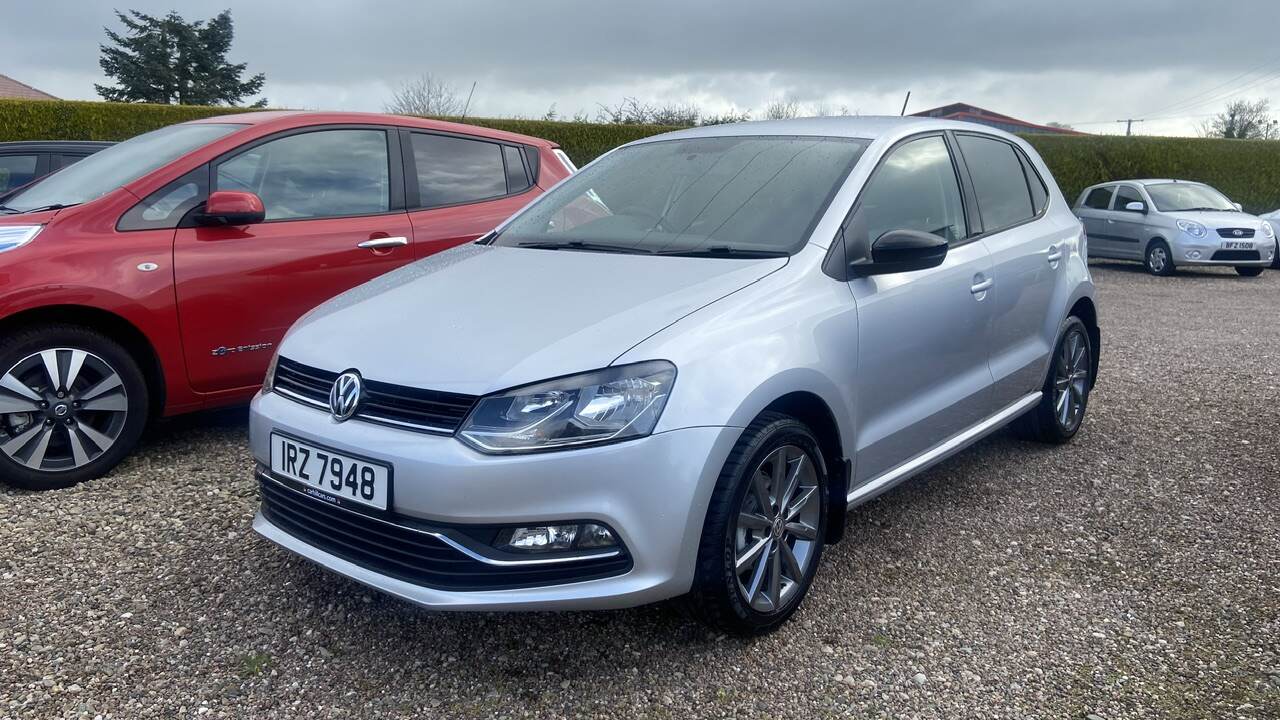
pixel 922 373
pixel 327 193
pixel 1093 213
pixel 1128 226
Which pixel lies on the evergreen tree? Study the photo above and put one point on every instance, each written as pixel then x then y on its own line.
pixel 169 60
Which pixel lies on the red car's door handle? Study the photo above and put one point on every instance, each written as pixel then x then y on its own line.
pixel 383 243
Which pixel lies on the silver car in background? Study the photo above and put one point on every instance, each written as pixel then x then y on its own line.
pixel 1167 223
pixel 1273 219
pixel 674 373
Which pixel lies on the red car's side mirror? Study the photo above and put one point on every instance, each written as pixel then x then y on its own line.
pixel 232 207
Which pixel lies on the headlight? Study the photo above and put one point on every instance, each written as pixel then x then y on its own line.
pixel 1192 228
pixel 1267 230
pixel 615 403
pixel 268 382
pixel 15 236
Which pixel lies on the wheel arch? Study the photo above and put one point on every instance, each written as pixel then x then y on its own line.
pixel 1087 311
pixel 108 323
pixel 816 414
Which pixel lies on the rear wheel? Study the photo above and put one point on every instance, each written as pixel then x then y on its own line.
pixel 1060 412
pixel 762 539
pixel 1159 259
pixel 1249 270
pixel 73 403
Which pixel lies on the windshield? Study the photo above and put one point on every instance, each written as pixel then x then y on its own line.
pixel 1175 197
pixel 749 196
pixel 117 165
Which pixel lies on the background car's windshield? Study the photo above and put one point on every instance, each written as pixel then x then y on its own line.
pixel 1172 197
pixel 727 194
pixel 117 165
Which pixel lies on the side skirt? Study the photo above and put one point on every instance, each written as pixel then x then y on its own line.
pixel 938 453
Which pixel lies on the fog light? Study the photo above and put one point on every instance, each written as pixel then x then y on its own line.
pixel 552 538
pixel 1193 254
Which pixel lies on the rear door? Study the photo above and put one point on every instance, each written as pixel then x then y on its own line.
pixel 1093 213
pixel 922 373
pixel 19 168
pixel 329 193
pixel 1029 262
pixel 459 187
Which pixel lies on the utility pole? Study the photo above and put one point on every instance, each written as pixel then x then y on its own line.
pixel 467 107
pixel 1128 125
pixel 904 103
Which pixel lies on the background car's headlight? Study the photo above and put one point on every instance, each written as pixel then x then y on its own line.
pixel 15 236
pixel 268 381
pixel 1192 228
pixel 615 403
pixel 1267 230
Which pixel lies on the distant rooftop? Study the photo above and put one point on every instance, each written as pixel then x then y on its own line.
pixel 12 89
pixel 982 116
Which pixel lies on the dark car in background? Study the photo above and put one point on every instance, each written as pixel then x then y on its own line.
pixel 22 162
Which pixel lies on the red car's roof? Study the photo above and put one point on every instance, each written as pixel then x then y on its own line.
pixel 287 119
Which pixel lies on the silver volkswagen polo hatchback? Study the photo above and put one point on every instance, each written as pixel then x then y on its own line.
pixel 674 373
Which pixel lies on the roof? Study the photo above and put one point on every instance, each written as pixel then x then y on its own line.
pixel 982 116
pixel 12 89
pixel 864 127
pixel 284 119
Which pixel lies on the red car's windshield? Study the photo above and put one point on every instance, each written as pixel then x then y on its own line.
pixel 117 165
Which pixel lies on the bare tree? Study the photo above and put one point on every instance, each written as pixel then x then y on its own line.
pixel 732 116
pixel 1243 119
pixel 425 95
pixel 633 112
pixel 782 110
pixel 551 113
pixel 1060 126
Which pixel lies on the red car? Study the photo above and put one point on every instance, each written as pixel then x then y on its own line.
pixel 156 276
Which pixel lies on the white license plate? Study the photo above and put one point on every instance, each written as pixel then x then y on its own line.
pixel 1236 245
pixel 329 475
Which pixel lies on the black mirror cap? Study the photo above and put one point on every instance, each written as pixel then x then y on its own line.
pixel 899 251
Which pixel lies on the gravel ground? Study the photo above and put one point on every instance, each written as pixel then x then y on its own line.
pixel 1134 573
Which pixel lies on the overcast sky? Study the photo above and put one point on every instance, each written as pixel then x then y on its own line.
pixel 1085 63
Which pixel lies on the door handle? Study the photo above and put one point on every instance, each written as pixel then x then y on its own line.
pixel 1053 254
pixel 982 286
pixel 383 243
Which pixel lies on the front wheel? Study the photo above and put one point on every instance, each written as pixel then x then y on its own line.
pixel 1065 395
pixel 73 403
pixel 763 535
pixel 1249 270
pixel 1159 259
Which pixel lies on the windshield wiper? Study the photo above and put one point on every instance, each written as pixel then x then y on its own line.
pixel 725 251
pixel 587 246
pixel 8 210
pixel 43 208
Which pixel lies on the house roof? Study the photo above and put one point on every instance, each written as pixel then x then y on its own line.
pixel 973 113
pixel 12 89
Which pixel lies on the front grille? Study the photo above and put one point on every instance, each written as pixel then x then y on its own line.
pixel 394 549
pixel 397 405
pixel 1231 232
pixel 1236 255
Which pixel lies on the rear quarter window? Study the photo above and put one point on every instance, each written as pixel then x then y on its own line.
pixel 999 182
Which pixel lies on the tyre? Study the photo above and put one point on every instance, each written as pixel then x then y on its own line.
pixel 1159 259
pixel 763 536
pixel 1249 270
pixel 73 403
pixel 1060 412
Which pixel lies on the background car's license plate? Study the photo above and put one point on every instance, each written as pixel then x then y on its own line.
pixel 1235 245
pixel 342 477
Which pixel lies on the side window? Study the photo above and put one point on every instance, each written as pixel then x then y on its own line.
pixel 517 178
pixel 1126 195
pixel 166 207
pixel 1039 192
pixel 914 188
pixel 61 161
pixel 1099 198
pixel 454 170
pixel 16 170
pixel 998 182
pixel 326 173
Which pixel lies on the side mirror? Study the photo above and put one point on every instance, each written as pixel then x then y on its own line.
pixel 899 251
pixel 1138 207
pixel 232 207
pixel 1238 206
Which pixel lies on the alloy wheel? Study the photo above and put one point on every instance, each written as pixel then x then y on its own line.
pixel 1071 381
pixel 1157 259
pixel 60 409
pixel 776 534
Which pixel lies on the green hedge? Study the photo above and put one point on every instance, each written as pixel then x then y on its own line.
pixel 1248 171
